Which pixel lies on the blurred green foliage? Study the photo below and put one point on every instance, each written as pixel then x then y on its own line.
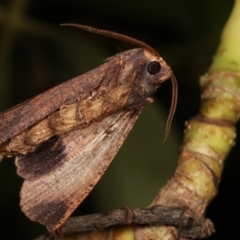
pixel 36 54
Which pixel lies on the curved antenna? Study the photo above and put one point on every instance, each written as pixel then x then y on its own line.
pixel 173 106
pixel 111 34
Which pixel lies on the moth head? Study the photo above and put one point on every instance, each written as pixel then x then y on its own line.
pixel 158 72
pixel 154 72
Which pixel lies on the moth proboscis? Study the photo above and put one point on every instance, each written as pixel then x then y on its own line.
pixel 65 138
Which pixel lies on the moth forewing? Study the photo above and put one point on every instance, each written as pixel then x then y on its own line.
pixel 20 117
pixel 87 153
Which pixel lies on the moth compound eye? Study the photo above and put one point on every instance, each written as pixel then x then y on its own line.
pixel 154 67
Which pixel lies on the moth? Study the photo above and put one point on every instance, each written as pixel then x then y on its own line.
pixel 65 138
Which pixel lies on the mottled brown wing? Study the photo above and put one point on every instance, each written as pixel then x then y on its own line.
pixel 52 198
pixel 25 114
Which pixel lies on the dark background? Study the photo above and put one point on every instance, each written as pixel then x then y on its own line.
pixel 36 54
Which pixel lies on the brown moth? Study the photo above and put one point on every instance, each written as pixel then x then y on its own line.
pixel 65 138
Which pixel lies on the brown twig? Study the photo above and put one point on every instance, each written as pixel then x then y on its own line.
pixel 156 215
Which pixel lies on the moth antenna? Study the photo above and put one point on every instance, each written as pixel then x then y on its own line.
pixel 173 105
pixel 115 35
